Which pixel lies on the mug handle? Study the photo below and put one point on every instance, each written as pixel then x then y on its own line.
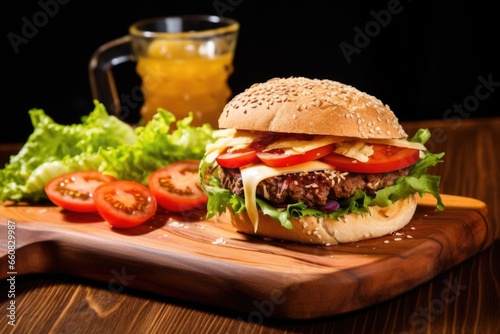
pixel 102 82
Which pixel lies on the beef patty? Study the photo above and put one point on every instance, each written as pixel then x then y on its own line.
pixel 312 188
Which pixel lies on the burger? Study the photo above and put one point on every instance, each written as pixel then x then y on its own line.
pixel 315 161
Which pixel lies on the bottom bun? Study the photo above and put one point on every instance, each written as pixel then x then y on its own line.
pixel 379 221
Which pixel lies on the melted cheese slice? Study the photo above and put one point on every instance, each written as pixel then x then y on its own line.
pixel 253 174
pixel 398 142
pixel 295 146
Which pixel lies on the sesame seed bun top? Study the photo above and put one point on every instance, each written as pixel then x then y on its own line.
pixel 311 106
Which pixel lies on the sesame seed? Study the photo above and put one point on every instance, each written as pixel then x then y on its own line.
pixel 219 241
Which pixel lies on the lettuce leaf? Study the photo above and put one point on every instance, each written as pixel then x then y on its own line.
pixel 417 180
pixel 53 149
pixel 156 146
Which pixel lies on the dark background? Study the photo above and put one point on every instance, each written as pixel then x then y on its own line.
pixel 425 61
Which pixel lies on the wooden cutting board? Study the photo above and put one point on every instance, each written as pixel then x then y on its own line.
pixel 208 262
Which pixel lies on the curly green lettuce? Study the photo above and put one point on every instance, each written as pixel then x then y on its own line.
pixel 155 147
pixel 100 142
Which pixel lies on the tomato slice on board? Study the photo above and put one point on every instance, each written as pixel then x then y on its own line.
pixel 124 204
pixel 74 191
pixel 384 159
pixel 238 158
pixel 177 186
pixel 279 159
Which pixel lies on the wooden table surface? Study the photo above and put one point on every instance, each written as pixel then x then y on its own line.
pixel 465 299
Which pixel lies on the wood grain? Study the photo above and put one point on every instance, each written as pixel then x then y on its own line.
pixel 464 298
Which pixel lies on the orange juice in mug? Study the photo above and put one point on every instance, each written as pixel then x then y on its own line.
pixel 180 80
pixel 184 64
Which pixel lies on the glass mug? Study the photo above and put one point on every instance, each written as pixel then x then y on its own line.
pixel 184 63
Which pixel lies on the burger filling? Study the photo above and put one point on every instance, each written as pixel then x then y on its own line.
pixel 317 189
pixel 323 176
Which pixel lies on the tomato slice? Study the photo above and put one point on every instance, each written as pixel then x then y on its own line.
pixel 74 191
pixel 279 159
pixel 238 158
pixel 124 204
pixel 177 186
pixel 384 159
